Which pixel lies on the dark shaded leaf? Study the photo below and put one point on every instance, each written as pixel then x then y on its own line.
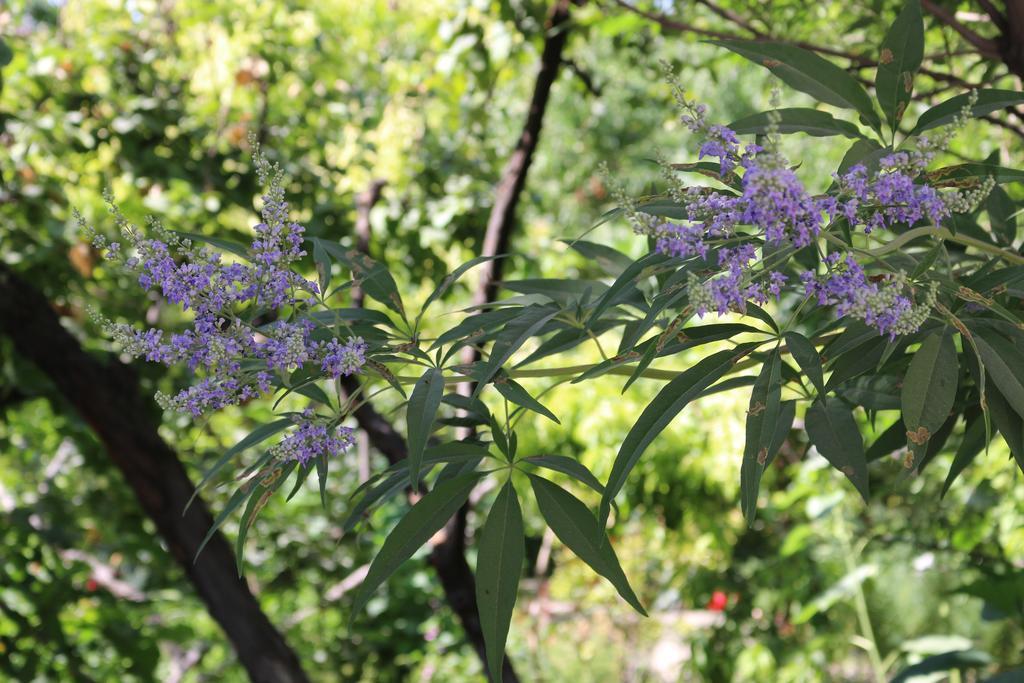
pixel 762 418
pixel 516 333
pixel 898 62
pixel 797 120
pixel 420 414
pixel 566 465
pixel 419 524
pixel 809 73
pixel 929 389
pixel 660 412
pixel 834 432
pixel 988 102
pixel 516 393
pixel 498 568
pixel 806 356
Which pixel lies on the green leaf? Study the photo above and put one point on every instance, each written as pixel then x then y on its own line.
pixel 566 465
pixel 969 175
pixel 929 389
pixel 6 55
pixel 893 438
pixel 843 589
pixel 809 73
pixel 227 245
pixel 390 486
pixel 576 527
pixel 624 284
pixel 498 568
pixel 796 120
pixel 988 102
pixel 514 392
pixel 1001 216
pixel 258 435
pixel 833 431
pixel 261 493
pixel 452 277
pixel 762 419
pixel 423 405
pixel 611 261
pixel 323 267
pixel 898 62
pixel 660 412
pixel 342 316
pixel 516 333
pixel 755 311
pixel 371 276
pixel 806 356
pixel 1009 424
pixel 947 661
pixel 1004 364
pixel 974 441
pixel 420 523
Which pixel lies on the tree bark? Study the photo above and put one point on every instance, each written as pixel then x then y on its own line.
pixel 106 395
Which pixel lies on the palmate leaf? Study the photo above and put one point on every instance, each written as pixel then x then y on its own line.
pixel 498 568
pixel 898 62
pixel 419 524
pixel 929 389
pixel 762 419
pixel 796 120
pixel 576 527
pixel 423 405
pixel 624 284
pixel 1008 422
pixel 672 398
pixel 809 73
pixel 834 432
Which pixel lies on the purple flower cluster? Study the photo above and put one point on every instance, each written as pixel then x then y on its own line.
pixel 885 303
pixel 890 198
pixel 733 289
pixel 773 207
pixel 344 359
pixel 237 360
pixel 314 436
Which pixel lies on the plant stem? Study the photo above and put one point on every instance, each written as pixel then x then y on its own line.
pixel 910 235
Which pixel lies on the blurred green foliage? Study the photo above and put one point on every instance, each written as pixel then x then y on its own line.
pixel 155 100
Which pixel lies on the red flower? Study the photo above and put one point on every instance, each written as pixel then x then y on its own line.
pixel 718 602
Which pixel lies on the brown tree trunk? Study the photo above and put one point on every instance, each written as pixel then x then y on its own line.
pixel 106 395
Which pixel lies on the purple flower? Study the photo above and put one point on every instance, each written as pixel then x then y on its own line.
pixel 312 438
pixel 344 359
